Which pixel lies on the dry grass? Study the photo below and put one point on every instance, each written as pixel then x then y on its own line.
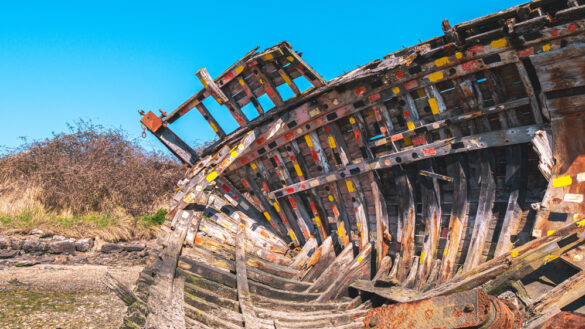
pixel 89 181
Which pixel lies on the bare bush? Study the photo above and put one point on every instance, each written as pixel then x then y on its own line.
pixel 92 169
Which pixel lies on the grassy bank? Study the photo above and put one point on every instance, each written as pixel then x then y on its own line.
pixel 88 181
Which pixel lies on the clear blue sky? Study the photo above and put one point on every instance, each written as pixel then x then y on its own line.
pixel 61 61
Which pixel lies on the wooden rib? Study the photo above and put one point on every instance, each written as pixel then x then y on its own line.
pixel 289 81
pixel 410 281
pixel 318 155
pixel 221 97
pixel 324 280
pixel 210 120
pixel 458 218
pixel 258 166
pixel 314 200
pixel 268 85
pixel 251 95
pixel 311 75
pixel 483 217
pixel 359 268
pixel 237 199
pixel 327 251
pixel 301 258
pixel 382 228
pixel 516 180
pixel 407 215
pixel 353 186
pixel 534 104
pixel 302 216
pixel 269 213
pixel 431 211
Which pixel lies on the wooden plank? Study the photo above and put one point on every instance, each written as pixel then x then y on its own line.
pixel 516 174
pixel 407 220
pixel 269 213
pixel 534 104
pixel 324 280
pixel 458 218
pixel 342 157
pixel 251 95
pixel 512 136
pixel 383 236
pixel 359 268
pixel 431 213
pixel 269 87
pixel 210 120
pixel 177 146
pixel 250 320
pixel 307 71
pixel 263 177
pixel 221 97
pixel 483 217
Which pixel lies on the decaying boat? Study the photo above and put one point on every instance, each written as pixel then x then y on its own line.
pixel 439 187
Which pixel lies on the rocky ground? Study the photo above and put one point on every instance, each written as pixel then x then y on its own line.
pixel 44 289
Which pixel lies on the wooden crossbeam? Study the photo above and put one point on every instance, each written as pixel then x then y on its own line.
pixel 314 78
pixel 210 120
pixel 221 97
pixel 496 138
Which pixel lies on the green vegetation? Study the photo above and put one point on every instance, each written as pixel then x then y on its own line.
pixel 156 218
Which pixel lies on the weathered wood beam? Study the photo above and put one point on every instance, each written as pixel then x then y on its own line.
pixel 307 71
pixel 452 120
pixel 246 307
pixel 251 95
pixel 383 236
pixel 177 146
pixel 483 217
pixel 497 138
pixel 221 97
pixel 210 120
pixel 406 224
pixel 268 85
pixel 431 213
pixel 516 175
pixel 458 218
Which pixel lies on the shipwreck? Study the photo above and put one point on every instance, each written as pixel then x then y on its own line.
pixel 441 186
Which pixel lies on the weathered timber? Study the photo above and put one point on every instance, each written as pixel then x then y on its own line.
pixel 403 180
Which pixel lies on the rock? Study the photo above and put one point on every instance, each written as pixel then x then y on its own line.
pixel 4 243
pixel 61 247
pixel 9 254
pixel 37 232
pixel 30 245
pixel 26 263
pixel 43 246
pixel 59 238
pixel 111 247
pixel 84 244
pixel 15 244
pixel 134 246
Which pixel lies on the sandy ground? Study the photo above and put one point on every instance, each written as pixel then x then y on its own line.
pixel 61 296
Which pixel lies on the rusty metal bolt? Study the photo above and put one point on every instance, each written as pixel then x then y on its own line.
pixel 373 322
pixel 468 308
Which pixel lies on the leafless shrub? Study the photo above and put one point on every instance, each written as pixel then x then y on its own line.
pixel 92 169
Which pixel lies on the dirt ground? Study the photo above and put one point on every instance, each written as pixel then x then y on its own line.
pixel 61 296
